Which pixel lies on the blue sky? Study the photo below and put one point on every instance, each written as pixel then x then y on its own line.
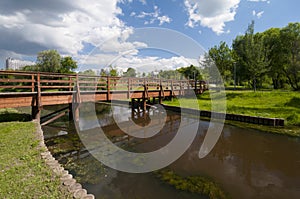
pixel 147 35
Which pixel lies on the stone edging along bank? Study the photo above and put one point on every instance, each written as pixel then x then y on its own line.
pixel 234 117
pixel 67 179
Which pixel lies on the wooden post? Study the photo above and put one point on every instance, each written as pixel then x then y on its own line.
pixel 70 83
pixel 196 92
pixel 37 102
pixel 180 88
pixel 32 82
pixel 128 92
pixel 76 100
pixel 108 97
pixel 160 93
pixel 172 90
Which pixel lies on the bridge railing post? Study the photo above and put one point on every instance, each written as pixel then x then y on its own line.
pixel 128 87
pixel 37 101
pixel 32 83
pixel 76 101
pixel 108 97
pixel 160 91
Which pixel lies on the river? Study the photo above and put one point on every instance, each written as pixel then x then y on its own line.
pixel 245 163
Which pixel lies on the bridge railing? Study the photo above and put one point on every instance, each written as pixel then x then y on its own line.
pixel 18 81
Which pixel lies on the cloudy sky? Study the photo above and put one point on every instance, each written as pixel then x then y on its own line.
pixel 144 34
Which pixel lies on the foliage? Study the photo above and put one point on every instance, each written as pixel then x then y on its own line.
pixel 252 55
pixel 290 40
pixel 51 61
pixel 113 71
pixel 48 61
pixel 193 184
pixel 169 74
pixel 190 72
pixel 267 59
pixel 23 173
pixel 88 72
pixel 67 65
pixel 223 58
pixel 131 72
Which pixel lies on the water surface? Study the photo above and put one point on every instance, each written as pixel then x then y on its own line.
pixel 245 163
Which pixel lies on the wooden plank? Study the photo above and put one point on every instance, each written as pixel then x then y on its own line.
pixel 15 80
pixel 54 118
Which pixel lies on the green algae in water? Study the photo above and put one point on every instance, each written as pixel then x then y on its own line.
pixel 193 184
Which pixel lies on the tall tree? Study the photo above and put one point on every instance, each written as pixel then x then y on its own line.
pixel 272 41
pixel 48 61
pixel 223 58
pixel 252 54
pixel 67 65
pixel 290 38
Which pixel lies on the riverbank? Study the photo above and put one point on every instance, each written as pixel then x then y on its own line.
pixel 271 104
pixel 23 173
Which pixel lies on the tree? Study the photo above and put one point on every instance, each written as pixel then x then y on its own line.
pixel 190 72
pixel 113 71
pixel 272 41
pixel 253 54
pixel 48 61
pixel 169 74
pixel 67 65
pixel 51 61
pixel 290 39
pixel 130 73
pixel 223 58
pixel 88 72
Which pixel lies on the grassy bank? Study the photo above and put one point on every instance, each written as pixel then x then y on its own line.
pixel 272 104
pixel 23 174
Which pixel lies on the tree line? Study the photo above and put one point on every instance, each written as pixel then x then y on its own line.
pixel 264 59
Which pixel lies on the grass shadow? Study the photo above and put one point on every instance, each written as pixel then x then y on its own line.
pixel 294 102
pixel 10 117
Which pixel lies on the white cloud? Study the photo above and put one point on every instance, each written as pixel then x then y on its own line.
pixel 141 64
pixel 29 27
pixel 212 14
pixel 257 14
pixel 152 17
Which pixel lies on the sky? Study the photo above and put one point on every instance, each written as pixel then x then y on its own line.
pixel 148 35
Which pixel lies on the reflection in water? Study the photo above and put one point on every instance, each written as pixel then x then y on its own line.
pixel 246 163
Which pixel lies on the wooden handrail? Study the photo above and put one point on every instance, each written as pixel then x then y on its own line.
pixel 28 80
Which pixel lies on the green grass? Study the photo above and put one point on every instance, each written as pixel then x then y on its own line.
pixel 272 104
pixel 23 174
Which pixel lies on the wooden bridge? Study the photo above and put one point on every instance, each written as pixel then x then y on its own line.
pixel 37 89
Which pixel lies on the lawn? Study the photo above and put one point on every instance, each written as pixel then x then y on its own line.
pixel 23 174
pixel 273 104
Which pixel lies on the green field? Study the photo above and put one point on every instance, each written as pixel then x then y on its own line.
pixel 272 104
pixel 23 174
